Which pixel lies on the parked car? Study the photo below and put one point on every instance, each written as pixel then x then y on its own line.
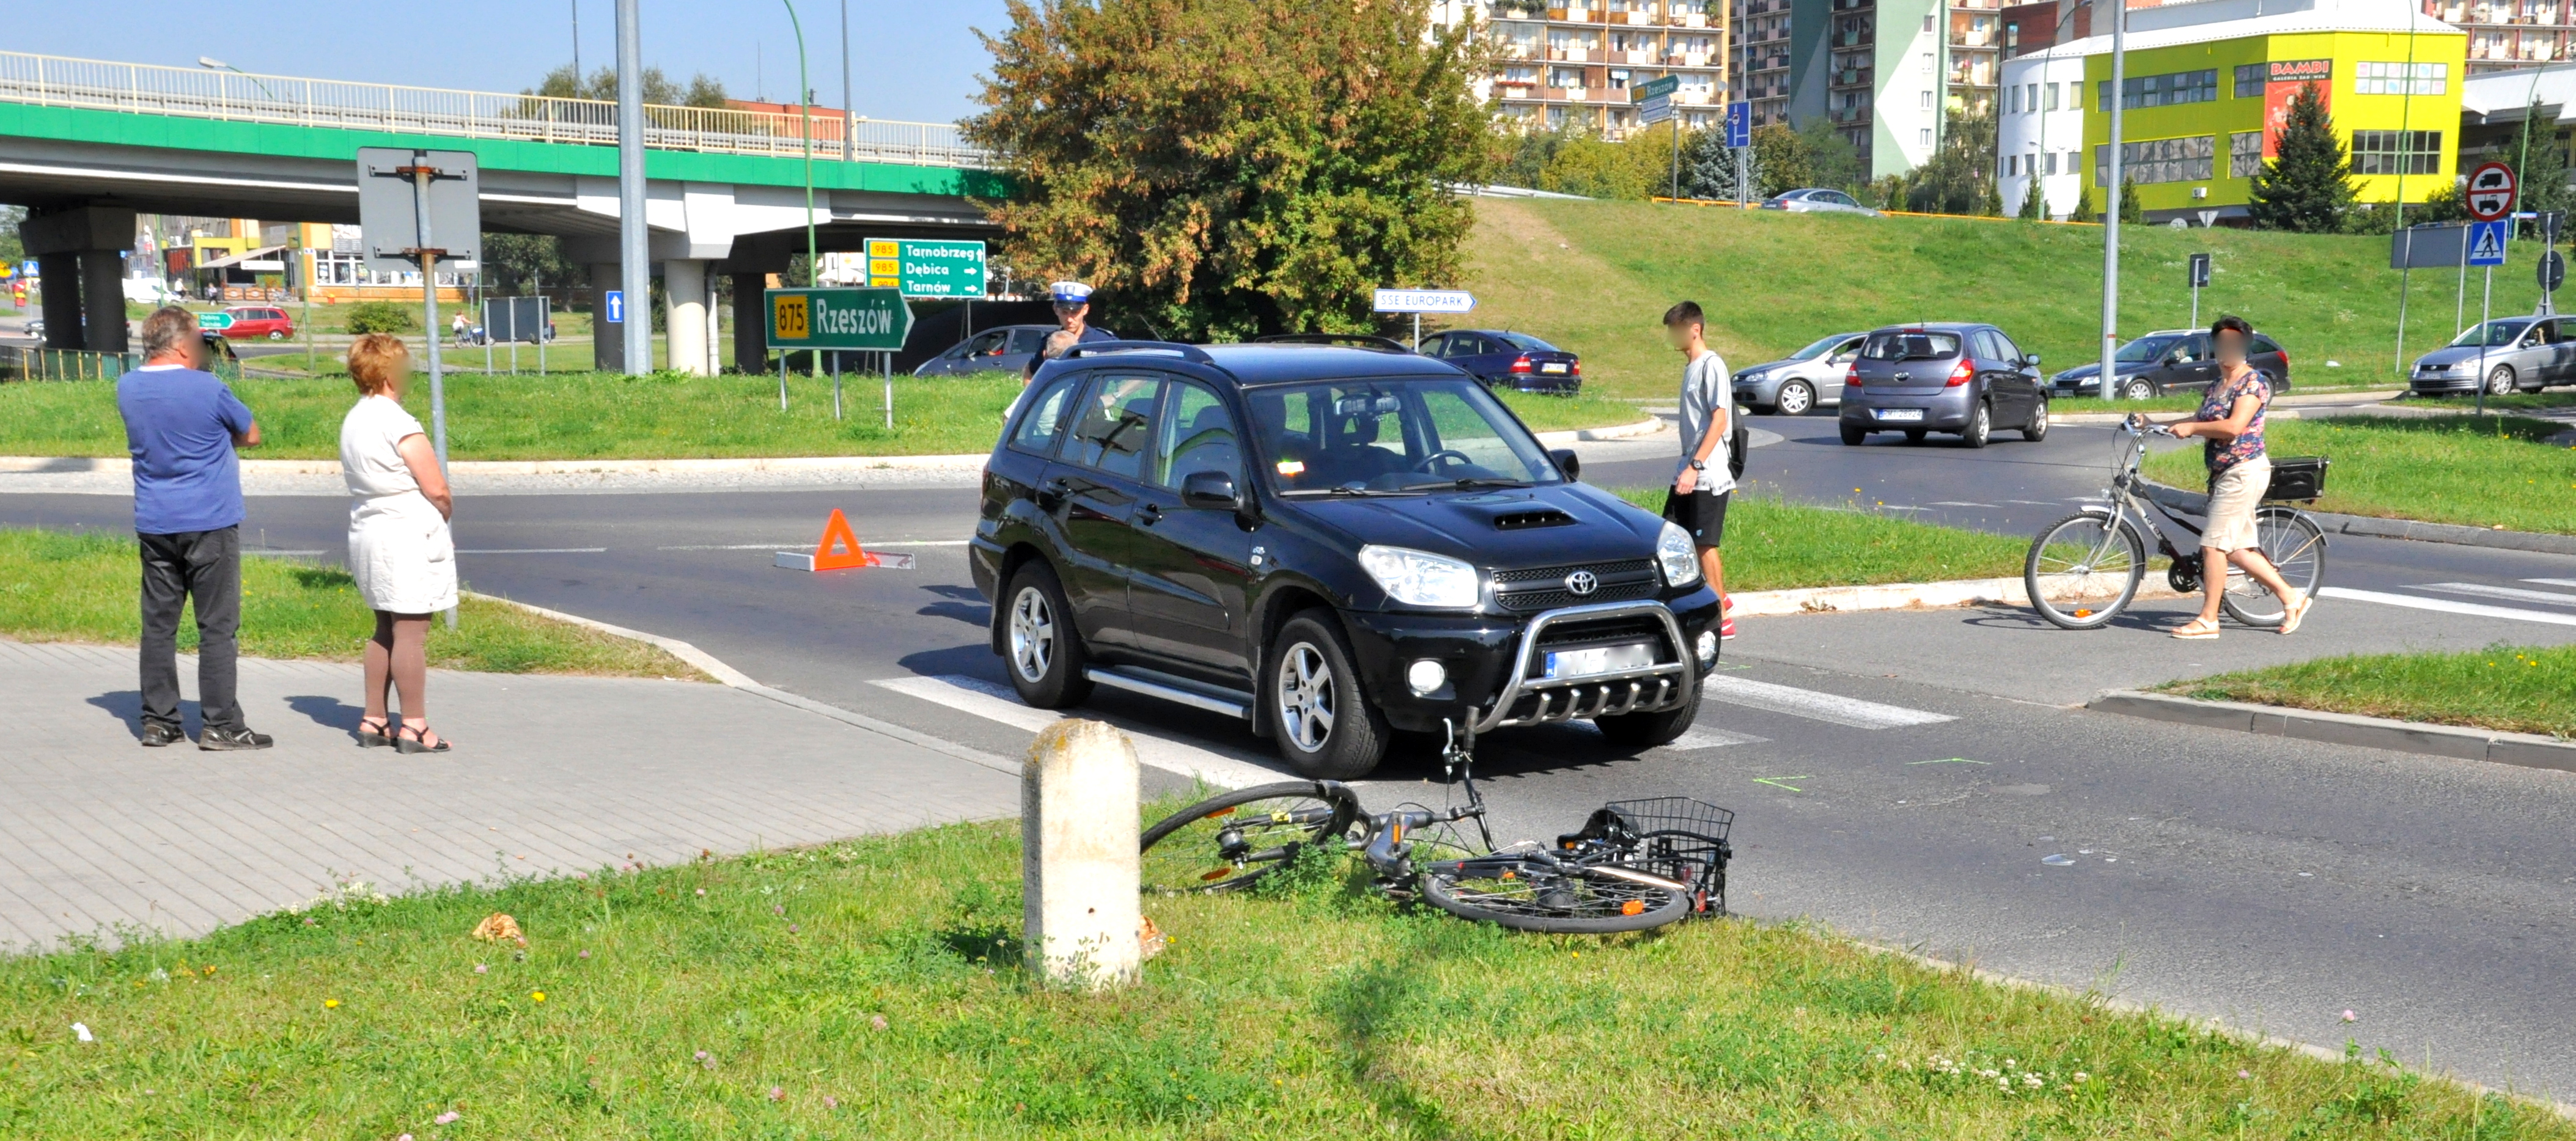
pixel 1947 377
pixel 2169 360
pixel 1332 543
pixel 2507 354
pixel 255 321
pixel 1818 199
pixel 1505 358
pixel 1794 386
pixel 1002 348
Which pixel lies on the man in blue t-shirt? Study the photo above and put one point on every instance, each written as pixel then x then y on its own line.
pixel 182 424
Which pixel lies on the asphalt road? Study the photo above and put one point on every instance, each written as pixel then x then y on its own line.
pixel 1898 776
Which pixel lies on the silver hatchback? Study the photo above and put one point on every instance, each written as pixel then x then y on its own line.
pixel 2505 355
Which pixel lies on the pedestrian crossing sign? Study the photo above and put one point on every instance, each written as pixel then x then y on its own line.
pixel 2486 243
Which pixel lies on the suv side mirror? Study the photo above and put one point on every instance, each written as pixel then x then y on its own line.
pixel 1213 490
pixel 2032 360
pixel 1568 462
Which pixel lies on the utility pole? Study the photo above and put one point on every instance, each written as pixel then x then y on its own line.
pixel 849 106
pixel 634 250
pixel 2111 217
pixel 576 47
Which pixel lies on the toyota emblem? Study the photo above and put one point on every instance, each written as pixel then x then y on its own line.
pixel 1581 583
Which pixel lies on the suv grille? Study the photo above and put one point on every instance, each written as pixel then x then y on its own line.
pixel 1543 588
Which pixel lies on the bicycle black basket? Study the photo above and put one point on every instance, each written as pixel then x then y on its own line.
pixel 2297 477
pixel 1675 837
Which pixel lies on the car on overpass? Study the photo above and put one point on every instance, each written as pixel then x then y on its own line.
pixel 1002 348
pixel 1334 544
pixel 259 322
pixel 2169 361
pixel 1506 359
pixel 1800 382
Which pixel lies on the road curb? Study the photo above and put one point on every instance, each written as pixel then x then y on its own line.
pixel 1646 427
pixel 1897 596
pixel 2527 750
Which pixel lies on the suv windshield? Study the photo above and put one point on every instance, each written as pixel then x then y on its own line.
pixel 2493 334
pixel 1910 345
pixel 1359 436
pixel 2146 348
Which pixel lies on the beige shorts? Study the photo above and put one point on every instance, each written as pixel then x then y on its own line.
pixel 2233 498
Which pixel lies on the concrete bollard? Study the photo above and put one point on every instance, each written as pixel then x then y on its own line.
pixel 1078 860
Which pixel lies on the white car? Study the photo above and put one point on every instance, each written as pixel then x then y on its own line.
pixel 1819 200
pixel 1810 377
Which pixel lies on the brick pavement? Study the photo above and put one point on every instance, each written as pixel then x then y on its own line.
pixel 550 775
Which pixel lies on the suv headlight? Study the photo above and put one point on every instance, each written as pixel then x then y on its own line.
pixel 1420 578
pixel 1680 557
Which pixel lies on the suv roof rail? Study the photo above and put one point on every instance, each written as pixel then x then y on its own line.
pixel 1102 348
pixel 1363 340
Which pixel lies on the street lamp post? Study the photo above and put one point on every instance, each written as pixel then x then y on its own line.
pixel 212 64
pixel 634 245
pixel 805 114
pixel 2111 216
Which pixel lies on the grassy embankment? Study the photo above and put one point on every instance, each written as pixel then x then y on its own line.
pixel 1596 277
pixel 583 416
pixel 57 587
pixel 1773 544
pixel 2521 689
pixel 871 989
pixel 2491 472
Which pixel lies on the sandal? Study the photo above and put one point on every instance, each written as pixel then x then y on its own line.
pixel 2198 630
pixel 2293 611
pixel 418 742
pixel 370 740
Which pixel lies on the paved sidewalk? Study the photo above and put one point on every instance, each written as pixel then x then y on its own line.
pixel 550 775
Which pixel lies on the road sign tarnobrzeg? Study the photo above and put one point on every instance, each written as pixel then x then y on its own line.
pixel 867 318
pixel 2490 192
pixel 926 268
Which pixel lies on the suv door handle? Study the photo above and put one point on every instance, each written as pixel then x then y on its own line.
pixel 1149 514
pixel 1051 492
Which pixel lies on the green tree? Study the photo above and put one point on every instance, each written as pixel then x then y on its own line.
pixel 2540 164
pixel 1783 158
pixel 11 250
pixel 1222 168
pixel 2034 201
pixel 1831 158
pixel 2130 211
pixel 2085 211
pixel 1960 178
pixel 1524 152
pixel 1708 167
pixel 2307 186
pixel 561 83
pixel 518 264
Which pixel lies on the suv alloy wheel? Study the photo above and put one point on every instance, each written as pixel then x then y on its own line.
pixel 1040 644
pixel 1323 722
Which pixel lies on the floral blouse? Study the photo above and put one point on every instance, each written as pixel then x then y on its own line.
pixel 2221 403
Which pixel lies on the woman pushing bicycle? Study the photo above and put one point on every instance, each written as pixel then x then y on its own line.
pixel 2230 425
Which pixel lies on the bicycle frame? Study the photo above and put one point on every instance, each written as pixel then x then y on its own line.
pixel 2128 507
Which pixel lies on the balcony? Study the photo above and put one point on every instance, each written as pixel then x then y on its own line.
pixel 1851 77
pixel 1645 56
pixel 1638 18
pixel 1570 55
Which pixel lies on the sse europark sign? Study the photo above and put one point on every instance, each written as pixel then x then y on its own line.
pixel 865 318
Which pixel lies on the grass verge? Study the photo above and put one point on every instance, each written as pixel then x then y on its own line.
pixel 582 416
pixel 871 989
pixel 1774 544
pixel 2518 689
pixel 57 587
pixel 2481 472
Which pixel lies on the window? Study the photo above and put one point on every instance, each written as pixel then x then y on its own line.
pixel 1925 65
pixel 1038 429
pixel 2249 80
pixel 1028 340
pixel 2074 96
pixel 982 344
pixel 2162 90
pixel 1923 137
pixel 2012 100
pixel 1198 435
pixel 2049 91
pixel 1115 421
pixel 2396 152
pixel 2244 154
pixel 1369 436
pixel 2008 351
pixel 1897 345
pixel 2401 79
pixel 2189 159
pixel 1927 100
pixel 1927 21
pixel 2012 166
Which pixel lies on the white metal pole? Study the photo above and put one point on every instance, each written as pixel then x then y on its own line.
pixel 889 391
pixel 836 386
pixel 2485 310
pixel 429 304
pixel 2111 217
pixel 634 250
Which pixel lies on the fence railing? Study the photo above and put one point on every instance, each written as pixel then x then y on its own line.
pixel 27 362
pixel 150 89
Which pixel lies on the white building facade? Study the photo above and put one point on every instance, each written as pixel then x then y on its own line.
pixel 2041 129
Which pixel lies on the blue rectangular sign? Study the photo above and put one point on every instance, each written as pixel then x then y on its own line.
pixel 2486 243
pixel 614 303
pixel 1739 124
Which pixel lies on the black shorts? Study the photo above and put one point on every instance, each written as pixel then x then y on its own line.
pixel 1700 513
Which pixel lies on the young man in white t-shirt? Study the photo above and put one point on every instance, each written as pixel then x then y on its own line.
pixel 1702 481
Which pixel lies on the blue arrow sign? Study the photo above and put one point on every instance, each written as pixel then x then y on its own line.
pixel 1739 124
pixel 616 305
pixel 2486 243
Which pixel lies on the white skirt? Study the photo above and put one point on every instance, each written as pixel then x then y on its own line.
pixel 402 555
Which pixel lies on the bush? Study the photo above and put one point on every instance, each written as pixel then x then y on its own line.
pixel 379 317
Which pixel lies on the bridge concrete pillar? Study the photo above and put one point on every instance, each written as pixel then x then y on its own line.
pixel 607 338
pixel 684 315
pixel 750 324
pixel 103 300
pixel 715 325
pixel 60 278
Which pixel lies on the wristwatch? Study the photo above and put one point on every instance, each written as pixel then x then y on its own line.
pixel 1699 465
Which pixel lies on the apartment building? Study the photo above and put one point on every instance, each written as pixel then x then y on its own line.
pixel 1561 62
pixel 2510 33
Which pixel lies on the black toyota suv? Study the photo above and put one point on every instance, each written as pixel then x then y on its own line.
pixel 1332 543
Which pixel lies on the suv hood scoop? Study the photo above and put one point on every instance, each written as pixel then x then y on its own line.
pixel 1536 517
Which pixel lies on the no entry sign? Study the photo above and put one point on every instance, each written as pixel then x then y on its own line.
pixel 2491 191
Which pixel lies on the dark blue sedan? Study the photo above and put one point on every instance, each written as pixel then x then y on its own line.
pixel 1508 360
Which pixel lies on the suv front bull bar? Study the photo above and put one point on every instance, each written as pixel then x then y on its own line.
pixel 1645 689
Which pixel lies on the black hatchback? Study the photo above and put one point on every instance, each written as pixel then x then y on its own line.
pixel 1331 543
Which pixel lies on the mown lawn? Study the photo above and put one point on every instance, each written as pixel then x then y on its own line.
pixel 582 416
pixel 57 587
pixel 870 989
pixel 2521 689
pixel 2482 472
pixel 1774 544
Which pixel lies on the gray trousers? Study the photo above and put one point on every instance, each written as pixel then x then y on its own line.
pixel 204 566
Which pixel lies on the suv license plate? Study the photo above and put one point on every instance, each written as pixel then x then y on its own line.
pixel 1599 660
pixel 1900 413
pixel 1551 368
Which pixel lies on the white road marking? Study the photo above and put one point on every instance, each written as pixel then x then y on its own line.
pixel 2482 590
pixel 2033 502
pixel 2418 602
pixel 800 544
pixel 535 551
pixel 1956 503
pixel 997 703
pixel 2553 581
pixel 262 551
pixel 1714 739
pixel 1815 706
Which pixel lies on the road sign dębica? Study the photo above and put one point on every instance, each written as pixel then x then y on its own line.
pixel 926 268
pixel 1424 301
pixel 214 320
pixel 2486 243
pixel 868 318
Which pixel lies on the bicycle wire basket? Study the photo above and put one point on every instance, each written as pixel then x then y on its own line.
pixel 1675 837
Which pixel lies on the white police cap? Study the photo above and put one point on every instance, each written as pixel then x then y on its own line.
pixel 1070 293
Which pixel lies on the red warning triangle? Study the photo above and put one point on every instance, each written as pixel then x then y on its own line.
pixel 837 530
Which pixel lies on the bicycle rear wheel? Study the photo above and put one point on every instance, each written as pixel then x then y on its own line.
pixel 1226 842
pixel 1531 896
pixel 2297 548
pixel 2083 570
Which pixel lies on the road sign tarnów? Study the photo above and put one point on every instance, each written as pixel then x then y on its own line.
pixel 865 318
pixel 214 320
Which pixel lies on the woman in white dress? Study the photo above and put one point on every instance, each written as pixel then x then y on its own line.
pixel 399 548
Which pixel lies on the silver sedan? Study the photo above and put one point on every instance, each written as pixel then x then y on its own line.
pixel 2505 355
pixel 1807 378
pixel 1819 200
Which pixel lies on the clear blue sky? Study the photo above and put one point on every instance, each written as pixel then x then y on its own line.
pixel 909 59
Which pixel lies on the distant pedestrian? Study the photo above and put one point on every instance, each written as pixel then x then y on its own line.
pixel 182 424
pixel 1704 480
pixel 399 547
pixel 2230 424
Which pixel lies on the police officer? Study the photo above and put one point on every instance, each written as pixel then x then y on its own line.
pixel 1072 312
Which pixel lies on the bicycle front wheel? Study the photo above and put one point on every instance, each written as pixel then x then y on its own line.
pixel 2083 570
pixel 1565 901
pixel 2297 548
pixel 1226 842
